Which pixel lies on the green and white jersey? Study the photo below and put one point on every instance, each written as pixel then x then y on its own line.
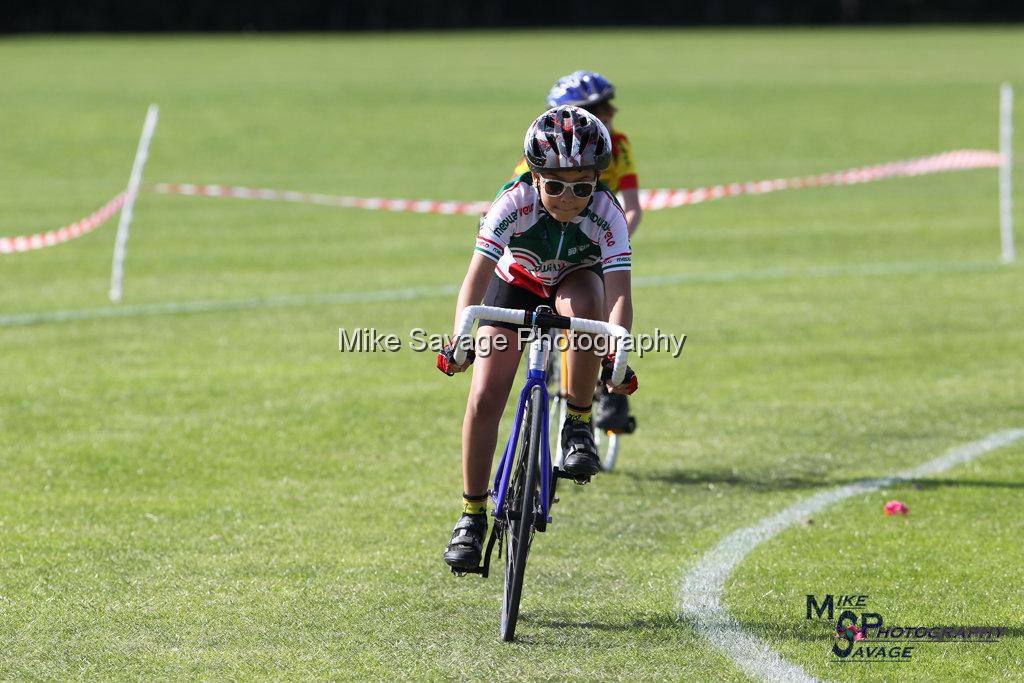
pixel 534 251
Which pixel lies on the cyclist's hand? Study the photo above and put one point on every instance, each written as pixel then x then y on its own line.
pixel 629 382
pixel 446 360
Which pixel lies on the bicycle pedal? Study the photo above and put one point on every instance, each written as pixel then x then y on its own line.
pixel 562 474
pixel 463 571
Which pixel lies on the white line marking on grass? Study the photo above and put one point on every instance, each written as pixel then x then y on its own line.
pixel 174 308
pixel 817 272
pixel 140 310
pixel 702 588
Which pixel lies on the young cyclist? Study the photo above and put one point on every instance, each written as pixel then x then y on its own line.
pixel 554 236
pixel 593 92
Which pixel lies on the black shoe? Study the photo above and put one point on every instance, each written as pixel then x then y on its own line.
pixel 611 412
pixel 465 549
pixel 581 459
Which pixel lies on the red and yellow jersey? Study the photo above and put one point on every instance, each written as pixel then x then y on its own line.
pixel 620 174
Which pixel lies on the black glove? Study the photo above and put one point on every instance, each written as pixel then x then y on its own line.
pixel 446 360
pixel 629 381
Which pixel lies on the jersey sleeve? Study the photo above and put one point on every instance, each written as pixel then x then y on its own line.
pixel 627 171
pixel 616 253
pixel 496 226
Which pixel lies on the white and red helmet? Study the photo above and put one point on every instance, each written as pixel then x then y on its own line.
pixel 567 137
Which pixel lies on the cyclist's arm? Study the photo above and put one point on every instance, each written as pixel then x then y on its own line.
pixel 631 206
pixel 491 242
pixel 616 261
pixel 618 299
pixel 474 285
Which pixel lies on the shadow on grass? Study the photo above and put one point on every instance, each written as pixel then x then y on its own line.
pixel 810 632
pixel 541 630
pixel 649 623
pixel 757 482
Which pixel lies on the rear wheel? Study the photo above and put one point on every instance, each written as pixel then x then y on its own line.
pixel 557 409
pixel 611 451
pixel 520 512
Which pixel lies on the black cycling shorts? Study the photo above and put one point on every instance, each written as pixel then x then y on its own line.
pixel 506 295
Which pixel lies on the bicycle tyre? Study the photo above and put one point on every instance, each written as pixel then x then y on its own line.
pixel 524 496
pixel 557 409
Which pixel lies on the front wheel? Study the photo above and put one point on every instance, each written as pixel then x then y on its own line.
pixel 520 511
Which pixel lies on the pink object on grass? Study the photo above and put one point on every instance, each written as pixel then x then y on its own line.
pixel 851 630
pixel 895 507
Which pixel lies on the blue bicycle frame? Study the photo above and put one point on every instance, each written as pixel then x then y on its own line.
pixel 536 376
pixel 542 320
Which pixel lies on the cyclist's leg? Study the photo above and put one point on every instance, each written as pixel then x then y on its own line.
pixel 581 295
pixel 493 376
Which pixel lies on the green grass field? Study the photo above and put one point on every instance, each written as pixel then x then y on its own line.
pixel 223 495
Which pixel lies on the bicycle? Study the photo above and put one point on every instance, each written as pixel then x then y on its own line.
pixel 608 446
pixel 524 487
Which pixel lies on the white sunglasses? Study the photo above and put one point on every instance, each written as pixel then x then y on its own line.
pixel 556 188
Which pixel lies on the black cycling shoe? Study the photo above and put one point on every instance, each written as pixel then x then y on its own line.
pixel 581 461
pixel 611 412
pixel 464 551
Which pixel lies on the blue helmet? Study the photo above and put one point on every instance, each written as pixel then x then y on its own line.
pixel 581 89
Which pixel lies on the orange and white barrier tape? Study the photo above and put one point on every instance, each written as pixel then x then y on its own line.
pixel 10 245
pixel 959 160
pixel 408 205
pixel 650 200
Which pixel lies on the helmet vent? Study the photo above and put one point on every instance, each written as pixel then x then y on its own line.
pixel 552 141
